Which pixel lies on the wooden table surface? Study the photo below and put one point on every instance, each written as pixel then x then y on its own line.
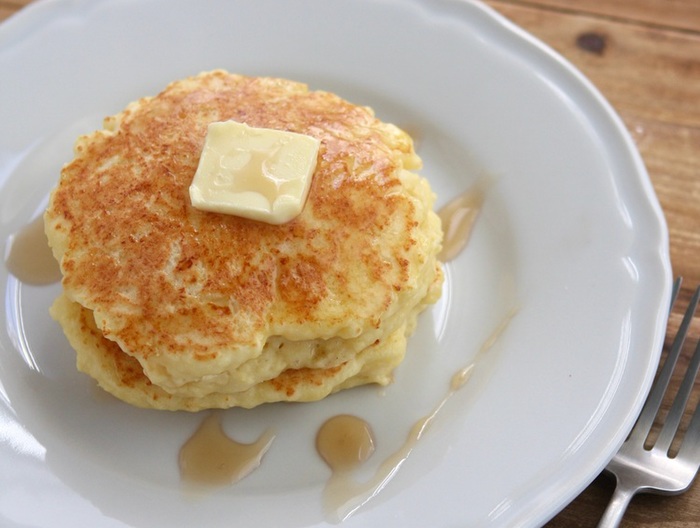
pixel 644 56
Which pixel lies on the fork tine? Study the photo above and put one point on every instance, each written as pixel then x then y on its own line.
pixel 673 420
pixel 674 292
pixel 656 396
pixel 690 448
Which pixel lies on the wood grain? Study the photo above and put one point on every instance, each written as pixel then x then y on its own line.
pixel 7 7
pixel 675 14
pixel 650 72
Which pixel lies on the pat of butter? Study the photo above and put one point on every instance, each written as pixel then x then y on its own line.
pixel 256 173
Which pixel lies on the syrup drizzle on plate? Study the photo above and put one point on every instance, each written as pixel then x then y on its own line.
pixel 29 256
pixel 210 457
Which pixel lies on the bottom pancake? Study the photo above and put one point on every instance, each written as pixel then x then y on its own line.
pixel 122 375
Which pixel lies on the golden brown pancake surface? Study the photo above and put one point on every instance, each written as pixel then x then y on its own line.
pixel 209 303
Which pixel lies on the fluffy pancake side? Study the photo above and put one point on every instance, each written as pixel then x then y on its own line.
pixel 122 376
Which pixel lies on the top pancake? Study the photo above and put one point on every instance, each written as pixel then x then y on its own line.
pixel 194 296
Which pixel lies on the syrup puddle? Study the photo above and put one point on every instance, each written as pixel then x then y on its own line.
pixel 345 442
pixel 29 256
pixel 458 217
pixel 344 445
pixel 211 458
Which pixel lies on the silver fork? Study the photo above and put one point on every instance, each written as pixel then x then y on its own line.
pixel 652 470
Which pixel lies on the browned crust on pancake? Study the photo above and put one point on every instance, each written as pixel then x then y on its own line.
pixel 165 280
pixel 122 375
pixel 156 149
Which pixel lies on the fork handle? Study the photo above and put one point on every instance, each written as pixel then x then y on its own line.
pixel 617 507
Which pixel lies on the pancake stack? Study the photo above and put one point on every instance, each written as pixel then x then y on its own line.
pixel 170 307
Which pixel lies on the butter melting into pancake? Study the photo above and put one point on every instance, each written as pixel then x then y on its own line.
pixel 171 307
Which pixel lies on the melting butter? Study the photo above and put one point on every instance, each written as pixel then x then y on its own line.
pixel 257 173
pixel 28 256
pixel 211 457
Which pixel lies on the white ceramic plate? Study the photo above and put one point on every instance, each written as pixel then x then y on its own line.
pixel 571 234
